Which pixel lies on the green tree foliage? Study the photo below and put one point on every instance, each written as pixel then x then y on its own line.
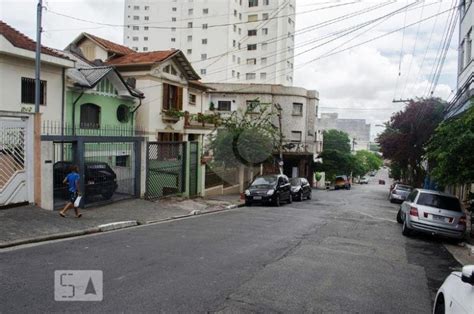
pixel 247 137
pixel 366 161
pixel 451 150
pixel 336 140
pixel 407 133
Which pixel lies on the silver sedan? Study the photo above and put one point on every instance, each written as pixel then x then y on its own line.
pixel 432 212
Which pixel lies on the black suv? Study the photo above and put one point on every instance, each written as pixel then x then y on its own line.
pixel 100 179
pixel 270 189
pixel 300 189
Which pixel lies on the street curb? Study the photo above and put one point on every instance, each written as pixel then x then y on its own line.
pixel 117 225
pixel 106 228
pixel 56 236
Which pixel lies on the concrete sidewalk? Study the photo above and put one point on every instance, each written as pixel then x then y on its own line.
pixel 30 224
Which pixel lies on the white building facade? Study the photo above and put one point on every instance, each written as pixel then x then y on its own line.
pixel 227 41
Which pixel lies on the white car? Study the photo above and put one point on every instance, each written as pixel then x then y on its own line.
pixel 456 295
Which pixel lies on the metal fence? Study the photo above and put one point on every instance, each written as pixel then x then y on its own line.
pixel 109 168
pixel 193 168
pixel 166 169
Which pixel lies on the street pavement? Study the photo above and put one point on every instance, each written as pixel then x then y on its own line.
pixel 340 252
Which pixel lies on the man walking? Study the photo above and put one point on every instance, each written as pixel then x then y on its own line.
pixel 72 180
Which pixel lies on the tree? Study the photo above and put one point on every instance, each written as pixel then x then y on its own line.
pixel 451 150
pixel 336 140
pixel 366 161
pixel 406 134
pixel 247 137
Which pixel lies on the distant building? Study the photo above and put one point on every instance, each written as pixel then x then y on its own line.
pixel 357 129
pixel 302 143
pixel 229 41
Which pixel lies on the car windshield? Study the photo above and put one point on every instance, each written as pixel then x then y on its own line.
pixel 295 181
pixel 404 187
pixel 439 201
pixel 264 182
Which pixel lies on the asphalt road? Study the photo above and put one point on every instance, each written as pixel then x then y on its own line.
pixel 341 252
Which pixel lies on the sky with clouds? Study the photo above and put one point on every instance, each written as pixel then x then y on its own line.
pixel 356 80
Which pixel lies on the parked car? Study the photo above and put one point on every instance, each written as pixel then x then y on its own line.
pixel 269 189
pixel 372 173
pixel 364 180
pixel 399 193
pixel 300 189
pixel 432 212
pixel 342 182
pixel 100 179
pixel 456 295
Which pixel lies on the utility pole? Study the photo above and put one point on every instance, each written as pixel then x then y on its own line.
pixel 280 163
pixel 39 12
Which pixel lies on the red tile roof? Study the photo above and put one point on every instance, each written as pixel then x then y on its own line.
pixel 110 46
pixel 142 58
pixel 20 40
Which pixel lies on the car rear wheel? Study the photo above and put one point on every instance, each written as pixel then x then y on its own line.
pixel 405 230
pixel 290 199
pixel 309 195
pixel 107 195
pixel 300 196
pixel 399 216
pixel 439 307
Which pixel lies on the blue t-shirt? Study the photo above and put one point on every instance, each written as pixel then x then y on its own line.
pixel 71 180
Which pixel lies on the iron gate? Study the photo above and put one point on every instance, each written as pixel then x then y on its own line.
pixel 193 168
pixel 166 169
pixel 15 167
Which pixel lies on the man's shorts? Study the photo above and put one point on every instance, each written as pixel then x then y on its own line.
pixel 72 197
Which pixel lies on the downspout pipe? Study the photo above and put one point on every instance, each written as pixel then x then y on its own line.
pixel 134 110
pixel 74 113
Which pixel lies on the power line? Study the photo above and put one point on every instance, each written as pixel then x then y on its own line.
pixel 369 40
pixel 401 55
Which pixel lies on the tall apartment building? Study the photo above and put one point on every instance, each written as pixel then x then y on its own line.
pixel 227 41
pixel 465 83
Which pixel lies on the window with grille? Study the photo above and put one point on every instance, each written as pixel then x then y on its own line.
pixel 296 136
pixel 224 105
pixel 252 32
pixel 90 116
pixel 28 91
pixel 253 3
pixel 297 109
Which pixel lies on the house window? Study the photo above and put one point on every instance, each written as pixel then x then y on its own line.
pixel 190 24
pixel 253 18
pixel 169 137
pixel 297 109
pixel 136 7
pixel 145 28
pixel 172 97
pixel 204 41
pixel 90 116
pixel 203 71
pixel 147 8
pixel 145 48
pixel 263 76
pixel 253 3
pixel 136 17
pixel 252 32
pixel 264 46
pixel 265 16
pixel 192 99
pixel 203 56
pixel 204 26
pixel 266 2
pixel 190 11
pixel 205 11
pixel 123 113
pixel 190 38
pixel 28 91
pixel 296 136
pixel 147 18
pixel 263 61
pixel 250 76
pixel 136 28
pixel 252 47
pixel 252 61
pixel 174 9
pixel 224 105
pixel 265 31
pixel 468 47
pixel 122 161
